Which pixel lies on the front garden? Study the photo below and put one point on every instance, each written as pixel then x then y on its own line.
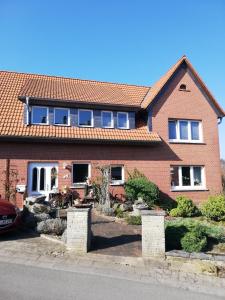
pixel 187 227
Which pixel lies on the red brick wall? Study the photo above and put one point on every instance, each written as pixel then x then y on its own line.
pixel 153 160
pixel 192 104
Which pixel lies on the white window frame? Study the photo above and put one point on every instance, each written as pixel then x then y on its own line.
pixel 189 140
pixel 117 182
pixel 127 115
pixel 92 118
pixel 32 112
pixel 62 108
pixel 89 172
pixel 192 187
pixel 112 119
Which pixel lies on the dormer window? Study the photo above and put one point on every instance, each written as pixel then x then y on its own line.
pixel 61 116
pixel 122 120
pixel 39 115
pixel 107 119
pixel 85 118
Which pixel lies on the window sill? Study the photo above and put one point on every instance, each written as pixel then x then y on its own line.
pixel 116 183
pixel 186 142
pixel 189 190
pixel 62 125
pixel 42 124
pixel 78 186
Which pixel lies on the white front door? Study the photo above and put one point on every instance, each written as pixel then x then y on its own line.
pixel 42 179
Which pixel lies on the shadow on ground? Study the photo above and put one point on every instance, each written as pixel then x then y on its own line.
pixel 18 234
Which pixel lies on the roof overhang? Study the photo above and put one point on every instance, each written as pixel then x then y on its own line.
pixel 77 140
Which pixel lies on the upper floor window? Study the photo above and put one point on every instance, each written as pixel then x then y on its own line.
pixel 39 115
pixel 122 120
pixel 187 177
pixel 107 119
pixel 85 118
pixel 185 131
pixel 61 116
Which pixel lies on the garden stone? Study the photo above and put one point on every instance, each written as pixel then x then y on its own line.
pixel 42 217
pixel 139 201
pixel 124 207
pixel 40 208
pixel 129 205
pixel 51 226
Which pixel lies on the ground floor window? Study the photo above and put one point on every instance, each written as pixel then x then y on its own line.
pixel 187 177
pixel 117 174
pixel 81 172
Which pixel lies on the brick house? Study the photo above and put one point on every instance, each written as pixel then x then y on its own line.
pixel 54 131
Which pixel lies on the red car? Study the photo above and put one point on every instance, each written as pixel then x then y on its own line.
pixel 10 216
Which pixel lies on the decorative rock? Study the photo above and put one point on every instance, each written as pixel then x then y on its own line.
pixel 137 208
pixel 40 208
pixel 139 201
pixel 41 217
pixel 51 226
pixel 124 207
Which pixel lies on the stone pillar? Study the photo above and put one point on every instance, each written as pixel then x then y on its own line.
pixel 153 233
pixel 79 230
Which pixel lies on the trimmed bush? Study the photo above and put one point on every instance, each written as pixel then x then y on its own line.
pixel 138 185
pixel 214 208
pixel 175 230
pixel 194 241
pixel 185 208
pixel 133 220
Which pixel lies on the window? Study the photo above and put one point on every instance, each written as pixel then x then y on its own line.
pixel 61 116
pixel 183 87
pixel 42 179
pixel 185 131
pixel 117 175
pixel 81 172
pixel 39 115
pixel 187 178
pixel 107 119
pixel 122 120
pixel 85 118
pixel 34 179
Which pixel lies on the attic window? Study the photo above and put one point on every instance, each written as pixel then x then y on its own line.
pixel 183 87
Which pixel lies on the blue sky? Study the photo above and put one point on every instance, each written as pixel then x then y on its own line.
pixel 121 40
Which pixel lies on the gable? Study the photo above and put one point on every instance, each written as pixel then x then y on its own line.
pixel 159 87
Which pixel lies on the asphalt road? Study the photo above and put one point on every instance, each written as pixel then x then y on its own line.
pixel 20 282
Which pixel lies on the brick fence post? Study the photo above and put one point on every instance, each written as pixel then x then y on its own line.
pixel 153 233
pixel 79 230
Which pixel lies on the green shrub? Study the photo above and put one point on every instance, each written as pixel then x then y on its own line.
pixel 175 230
pixel 214 208
pixel 185 208
pixel 119 213
pixel 133 220
pixel 138 185
pixel 194 241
